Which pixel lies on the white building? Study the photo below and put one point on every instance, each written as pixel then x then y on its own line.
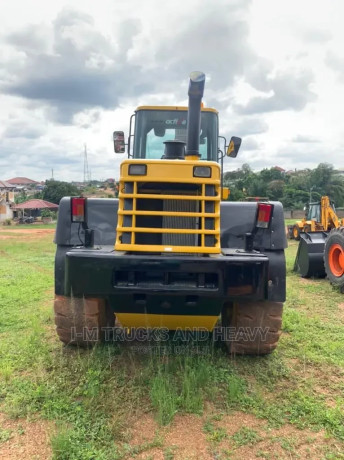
pixel 6 200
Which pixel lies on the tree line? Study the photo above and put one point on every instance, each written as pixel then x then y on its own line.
pixel 293 188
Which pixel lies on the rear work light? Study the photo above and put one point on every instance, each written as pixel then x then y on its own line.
pixel 202 171
pixel 78 207
pixel 137 170
pixel 264 215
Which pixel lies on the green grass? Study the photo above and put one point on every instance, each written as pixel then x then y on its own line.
pixel 28 226
pixel 290 221
pixel 94 396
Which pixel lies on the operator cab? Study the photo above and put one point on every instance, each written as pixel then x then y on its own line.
pixel 313 212
pixel 156 125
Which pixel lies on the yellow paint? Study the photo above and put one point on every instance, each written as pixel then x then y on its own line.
pixel 172 107
pixel 224 193
pixel 171 171
pixel 230 148
pixel 171 322
pixel 192 157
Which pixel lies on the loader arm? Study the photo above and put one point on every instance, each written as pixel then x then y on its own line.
pixel 329 218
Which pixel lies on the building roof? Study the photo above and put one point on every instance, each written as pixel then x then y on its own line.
pixel 278 168
pixel 5 184
pixel 36 204
pixel 21 181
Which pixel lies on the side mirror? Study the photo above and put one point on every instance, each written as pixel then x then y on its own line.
pixel 118 141
pixel 233 147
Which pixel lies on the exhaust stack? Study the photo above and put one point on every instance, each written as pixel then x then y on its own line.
pixel 196 90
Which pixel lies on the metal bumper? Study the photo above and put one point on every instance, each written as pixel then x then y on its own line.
pixel 105 272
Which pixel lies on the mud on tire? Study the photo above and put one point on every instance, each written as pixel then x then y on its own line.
pixel 80 321
pixel 255 325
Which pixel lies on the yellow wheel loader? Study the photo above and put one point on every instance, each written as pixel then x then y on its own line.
pixel 168 254
pixel 320 251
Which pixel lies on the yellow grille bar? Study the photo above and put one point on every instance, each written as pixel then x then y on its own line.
pixel 165 248
pixel 166 230
pixel 168 213
pixel 166 197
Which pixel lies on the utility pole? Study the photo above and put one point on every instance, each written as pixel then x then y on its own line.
pixel 86 171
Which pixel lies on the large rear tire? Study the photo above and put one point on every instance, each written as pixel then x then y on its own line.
pixel 81 321
pixel 255 327
pixel 334 257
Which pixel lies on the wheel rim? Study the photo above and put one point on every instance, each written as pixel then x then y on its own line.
pixel 295 232
pixel 336 260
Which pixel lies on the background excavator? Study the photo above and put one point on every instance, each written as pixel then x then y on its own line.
pixel 321 249
pixel 321 216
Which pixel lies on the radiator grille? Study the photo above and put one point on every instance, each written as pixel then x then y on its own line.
pixel 167 217
pixel 181 222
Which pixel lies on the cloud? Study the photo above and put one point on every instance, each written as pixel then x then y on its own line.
pixel 335 63
pixel 288 92
pixel 249 143
pixel 250 126
pixel 20 129
pixel 302 139
pixel 31 39
pixel 84 68
pixel 314 35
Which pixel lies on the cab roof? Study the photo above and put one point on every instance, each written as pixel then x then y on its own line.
pixel 172 107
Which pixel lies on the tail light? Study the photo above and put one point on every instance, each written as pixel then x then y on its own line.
pixel 264 215
pixel 78 206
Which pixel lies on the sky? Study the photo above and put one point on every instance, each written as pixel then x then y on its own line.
pixel 72 72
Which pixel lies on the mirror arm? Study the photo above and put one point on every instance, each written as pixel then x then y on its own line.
pixel 224 150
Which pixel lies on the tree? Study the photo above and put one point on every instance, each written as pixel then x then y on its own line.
pixel 21 197
pixel 55 190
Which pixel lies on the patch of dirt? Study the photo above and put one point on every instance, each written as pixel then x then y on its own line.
pixel 188 439
pixel 285 443
pixel 25 233
pixel 27 439
pixel 29 231
pixel 324 374
pixel 185 438
pixel 143 430
pixel 340 314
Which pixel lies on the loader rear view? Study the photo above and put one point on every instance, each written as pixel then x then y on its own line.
pixel 168 253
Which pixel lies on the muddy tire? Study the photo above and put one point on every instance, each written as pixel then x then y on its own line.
pixel 334 257
pixel 255 327
pixel 81 321
pixel 296 232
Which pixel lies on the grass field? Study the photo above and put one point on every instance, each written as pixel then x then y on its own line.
pixel 112 403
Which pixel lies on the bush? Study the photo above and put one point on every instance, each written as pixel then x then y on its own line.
pixel 49 213
pixel 8 222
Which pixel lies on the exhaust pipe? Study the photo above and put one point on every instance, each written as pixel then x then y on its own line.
pixel 196 90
